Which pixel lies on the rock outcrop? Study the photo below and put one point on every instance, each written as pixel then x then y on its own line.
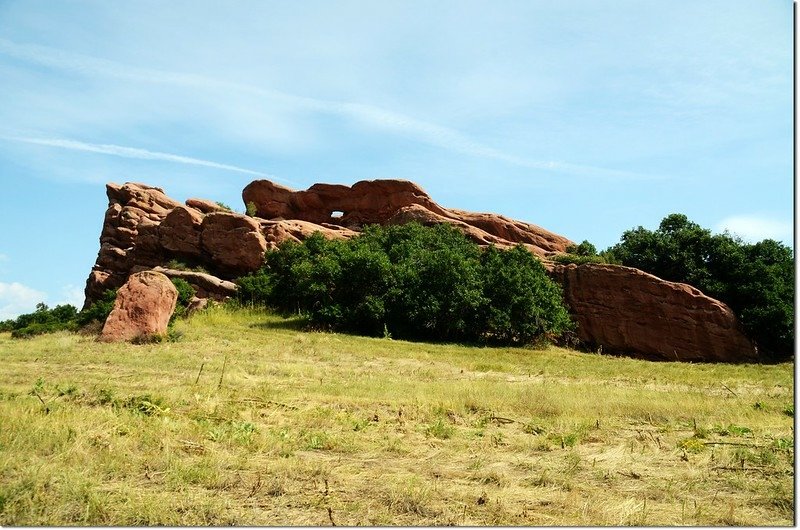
pixel 142 309
pixel 384 201
pixel 621 309
pixel 627 311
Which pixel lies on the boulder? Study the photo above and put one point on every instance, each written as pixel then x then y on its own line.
pixel 627 311
pixel 142 309
pixel 179 232
pixel 233 243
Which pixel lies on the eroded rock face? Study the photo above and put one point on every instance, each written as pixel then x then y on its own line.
pixel 628 311
pixel 180 231
pixel 233 242
pixel 392 201
pixel 142 309
pixel 132 208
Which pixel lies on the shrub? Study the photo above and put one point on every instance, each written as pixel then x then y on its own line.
pixel 99 310
pixel 414 282
pixel 185 294
pixel 522 303
pixel 585 252
pixel 43 320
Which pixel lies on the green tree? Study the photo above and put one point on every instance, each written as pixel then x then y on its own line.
pixel 413 282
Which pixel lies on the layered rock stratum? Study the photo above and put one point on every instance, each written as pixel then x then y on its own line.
pixel 618 309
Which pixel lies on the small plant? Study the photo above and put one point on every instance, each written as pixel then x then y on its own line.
pixel 692 445
pixel 250 210
pixel 532 428
pixel 145 404
pixel 99 310
pixel 224 206
pixel 789 410
pixel 185 294
pixel 440 429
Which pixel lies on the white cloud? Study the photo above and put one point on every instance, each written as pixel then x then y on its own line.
pixel 371 115
pixel 754 228
pixel 16 299
pixel 131 152
pixel 71 294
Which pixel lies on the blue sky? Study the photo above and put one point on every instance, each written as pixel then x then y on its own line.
pixel 585 117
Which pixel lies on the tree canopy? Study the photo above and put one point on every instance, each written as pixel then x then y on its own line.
pixel 415 282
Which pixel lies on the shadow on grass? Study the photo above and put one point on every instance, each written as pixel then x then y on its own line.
pixel 292 324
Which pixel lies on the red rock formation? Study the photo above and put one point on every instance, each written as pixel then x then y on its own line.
pixel 628 311
pixel 276 232
pixel 621 309
pixel 233 242
pixel 179 232
pixel 383 201
pixel 130 207
pixel 142 309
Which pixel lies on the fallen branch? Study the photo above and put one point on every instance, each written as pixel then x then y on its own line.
pixel 502 420
pixel 729 390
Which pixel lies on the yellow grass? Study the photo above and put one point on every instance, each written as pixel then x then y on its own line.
pixel 314 429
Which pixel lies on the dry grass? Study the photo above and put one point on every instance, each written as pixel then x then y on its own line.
pixel 315 429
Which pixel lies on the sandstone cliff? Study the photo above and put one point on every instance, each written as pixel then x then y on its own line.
pixel 620 309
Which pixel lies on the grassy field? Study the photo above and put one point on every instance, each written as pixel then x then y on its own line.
pixel 245 420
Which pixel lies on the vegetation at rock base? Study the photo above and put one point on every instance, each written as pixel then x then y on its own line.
pixel 755 280
pixel 185 294
pixel 98 312
pixel 249 421
pixel 67 317
pixel 412 282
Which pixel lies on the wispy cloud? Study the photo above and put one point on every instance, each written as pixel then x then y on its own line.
pixel 756 228
pixel 370 115
pixel 133 152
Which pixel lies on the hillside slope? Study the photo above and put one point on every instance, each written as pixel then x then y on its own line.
pixel 246 420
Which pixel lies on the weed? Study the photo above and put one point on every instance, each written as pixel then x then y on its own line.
pixel 692 445
pixel 145 404
pixel 440 429
pixel 532 428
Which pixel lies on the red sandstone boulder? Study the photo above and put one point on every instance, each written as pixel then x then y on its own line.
pixel 180 231
pixel 233 242
pixel 628 311
pixel 143 308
